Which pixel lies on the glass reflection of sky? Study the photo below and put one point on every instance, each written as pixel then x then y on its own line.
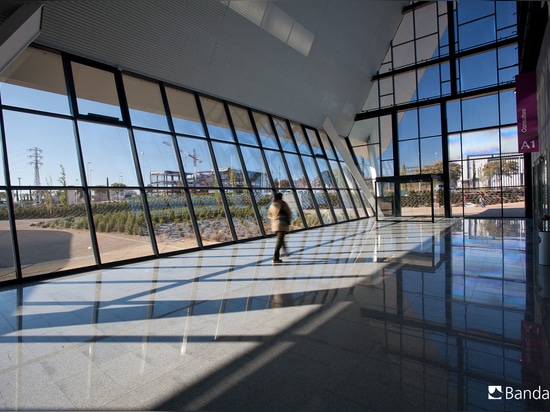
pixel 482 142
pixel 509 139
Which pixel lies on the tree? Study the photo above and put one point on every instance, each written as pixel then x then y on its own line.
pixel 119 189
pixel 493 168
pixel 455 170
pixel 63 181
pixel 510 167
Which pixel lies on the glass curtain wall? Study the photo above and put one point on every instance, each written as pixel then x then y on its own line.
pixel 443 104
pixel 98 167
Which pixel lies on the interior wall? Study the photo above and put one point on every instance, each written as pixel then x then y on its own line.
pixel 543 112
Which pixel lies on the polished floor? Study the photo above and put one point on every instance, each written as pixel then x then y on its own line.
pixel 365 316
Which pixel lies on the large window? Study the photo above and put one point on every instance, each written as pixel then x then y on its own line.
pixel 136 169
pixel 447 110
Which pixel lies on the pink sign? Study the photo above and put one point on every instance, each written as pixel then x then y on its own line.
pixel 526 105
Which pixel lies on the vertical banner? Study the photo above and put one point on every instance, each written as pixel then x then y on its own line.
pixel 526 104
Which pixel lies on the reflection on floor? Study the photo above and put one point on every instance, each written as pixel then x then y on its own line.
pixel 361 316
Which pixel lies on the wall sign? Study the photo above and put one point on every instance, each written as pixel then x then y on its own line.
pixel 526 104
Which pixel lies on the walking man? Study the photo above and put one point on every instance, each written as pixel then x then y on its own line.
pixel 279 213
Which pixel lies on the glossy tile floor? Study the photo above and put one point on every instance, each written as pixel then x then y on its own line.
pixel 366 316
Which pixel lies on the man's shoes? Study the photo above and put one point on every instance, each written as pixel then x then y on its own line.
pixel 277 261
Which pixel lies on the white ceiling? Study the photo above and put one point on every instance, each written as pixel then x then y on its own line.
pixel 300 59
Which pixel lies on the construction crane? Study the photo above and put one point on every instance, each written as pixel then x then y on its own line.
pixel 192 156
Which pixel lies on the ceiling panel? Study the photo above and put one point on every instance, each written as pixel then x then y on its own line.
pixel 237 51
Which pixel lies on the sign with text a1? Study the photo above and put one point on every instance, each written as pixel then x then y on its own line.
pixel 526 106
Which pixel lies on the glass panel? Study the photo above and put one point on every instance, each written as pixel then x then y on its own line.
pixel 405 32
pixel 386 86
pixel 311 172
pixel 145 103
pixel 323 202
pixel 403 55
pixel 291 198
pixel 185 114
pixel 481 142
pixel 336 204
pixel 171 220
pixel 386 101
pixel 2 174
pixel 350 181
pixel 103 166
pixel 314 141
pixel 120 225
pixel 455 177
pixel 308 206
pixel 338 154
pixel 284 135
pixel 298 176
pixel 507 56
pixel 426 48
pixel 356 196
pixel 243 216
pixel 326 175
pixel 277 168
pixel 339 177
pixel 387 168
pixel 348 204
pixel 41 150
pixel 513 190
pixel 425 20
pixel 303 146
pixel 431 155
pixel 405 87
pixel 507 75
pixel 385 195
pixel 386 64
pixel 473 11
pixel 96 92
pixel 216 119
pixel 196 161
pixel 455 147
pixel 386 138
pixel 370 130
pixel 407 124
pixel 53 236
pixel 263 199
pixel 491 172
pixel 509 139
pixel 480 112
pixel 443 33
pixel 429 83
pixel 229 165
pixel 211 219
pixel 430 121
pixel 476 33
pixel 372 98
pixel 506 14
pixel 454 116
pixel 7 265
pixel 409 157
pixel 473 78
pixel 35 80
pixel 255 168
pixel 243 126
pixel 368 160
pixel 325 140
pixel 267 135
pixel 157 159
